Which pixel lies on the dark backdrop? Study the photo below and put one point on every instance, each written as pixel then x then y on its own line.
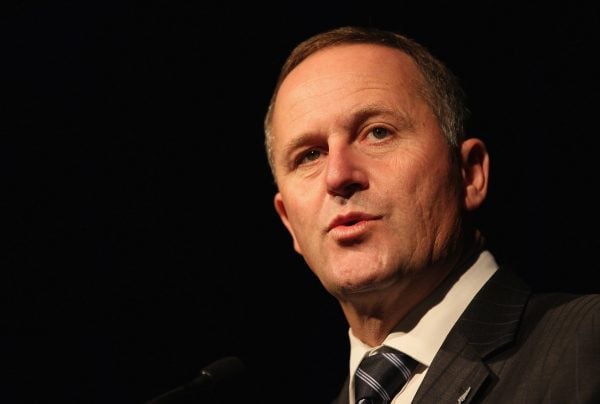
pixel 140 239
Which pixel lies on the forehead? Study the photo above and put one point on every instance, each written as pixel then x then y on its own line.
pixel 346 74
pixel 353 62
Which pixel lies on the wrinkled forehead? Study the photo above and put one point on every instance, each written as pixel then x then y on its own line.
pixel 339 72
pixel 354 59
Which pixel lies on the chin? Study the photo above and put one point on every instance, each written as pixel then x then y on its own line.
pixel 346 288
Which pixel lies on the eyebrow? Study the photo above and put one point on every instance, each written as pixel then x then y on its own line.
pixel 296 143
pixel 377 109
pixel 366 111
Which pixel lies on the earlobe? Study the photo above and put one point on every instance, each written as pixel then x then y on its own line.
pixel 281 211
pixel 475 172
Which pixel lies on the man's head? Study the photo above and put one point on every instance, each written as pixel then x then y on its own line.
pixel 371 185
pixel 439 87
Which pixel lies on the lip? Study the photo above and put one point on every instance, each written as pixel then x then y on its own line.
pixel 350 224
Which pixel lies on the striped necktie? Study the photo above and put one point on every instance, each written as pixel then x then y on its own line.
pixel 381 375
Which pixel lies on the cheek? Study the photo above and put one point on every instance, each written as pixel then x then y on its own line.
pixel 301 212
pixel 433 194
pixel 443 204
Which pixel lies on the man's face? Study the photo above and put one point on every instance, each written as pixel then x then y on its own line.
pixel 367 187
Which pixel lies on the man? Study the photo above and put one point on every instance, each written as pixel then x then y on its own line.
pixel 376 185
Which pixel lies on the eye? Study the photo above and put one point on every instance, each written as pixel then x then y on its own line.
pixel 379 133
pixel 310 155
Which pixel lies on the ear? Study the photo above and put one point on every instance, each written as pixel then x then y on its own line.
pixel 281 211
pixel 475 166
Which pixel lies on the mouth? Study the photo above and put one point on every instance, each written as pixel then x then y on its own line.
pixel 349 220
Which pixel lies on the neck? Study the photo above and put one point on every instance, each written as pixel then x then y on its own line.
pixel 373 315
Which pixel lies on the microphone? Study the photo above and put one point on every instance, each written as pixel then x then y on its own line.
pixel 221 370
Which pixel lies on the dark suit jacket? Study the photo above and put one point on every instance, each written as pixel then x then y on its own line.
pixel 511 346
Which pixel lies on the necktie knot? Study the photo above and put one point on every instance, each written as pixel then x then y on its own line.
pixel 381 375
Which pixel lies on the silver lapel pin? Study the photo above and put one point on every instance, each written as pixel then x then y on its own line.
pixel 464 395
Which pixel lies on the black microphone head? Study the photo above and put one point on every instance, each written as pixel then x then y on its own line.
pixel 219 375
pixel 222 369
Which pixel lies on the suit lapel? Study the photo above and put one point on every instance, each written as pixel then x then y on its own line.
pixel 489 323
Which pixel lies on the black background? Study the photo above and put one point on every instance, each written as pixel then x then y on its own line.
pixel 140 239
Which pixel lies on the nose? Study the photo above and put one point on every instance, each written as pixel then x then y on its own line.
pixel 345 172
